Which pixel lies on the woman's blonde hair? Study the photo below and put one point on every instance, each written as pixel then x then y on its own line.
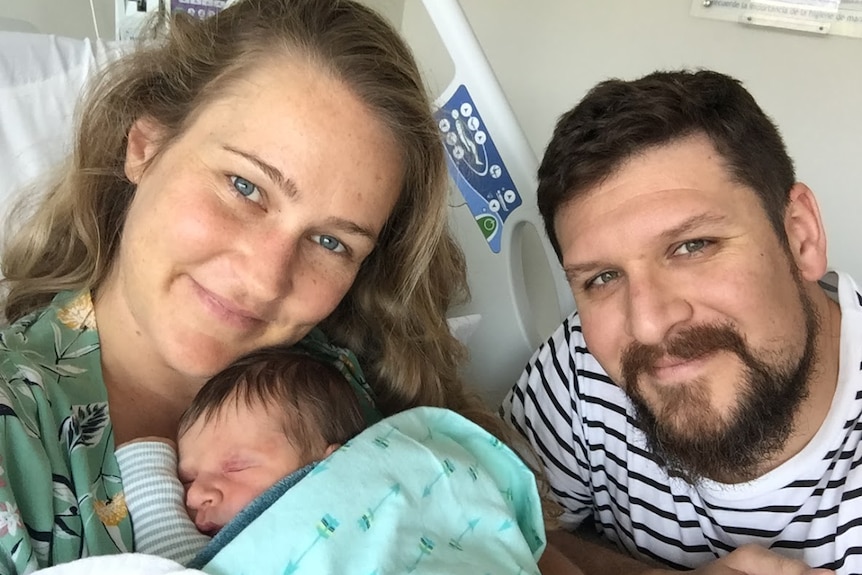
pixel 393 317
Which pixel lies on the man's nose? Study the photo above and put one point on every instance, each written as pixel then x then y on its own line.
pixel 654 308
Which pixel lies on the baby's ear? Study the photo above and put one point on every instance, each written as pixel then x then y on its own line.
pixel 332 447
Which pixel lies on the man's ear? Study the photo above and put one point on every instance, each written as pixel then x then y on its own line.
pixel 142 145
pixel 330 449
pixel 805 233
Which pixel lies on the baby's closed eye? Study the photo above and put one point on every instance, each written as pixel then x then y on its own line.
pixel 236 465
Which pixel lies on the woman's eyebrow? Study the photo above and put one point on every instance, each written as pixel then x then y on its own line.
pixel 352 228
pixel 285 184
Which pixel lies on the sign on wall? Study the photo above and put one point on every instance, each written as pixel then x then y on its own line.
pixel 840 17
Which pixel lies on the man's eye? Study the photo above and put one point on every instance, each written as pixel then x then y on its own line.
pixel 602 279
pixel 691 247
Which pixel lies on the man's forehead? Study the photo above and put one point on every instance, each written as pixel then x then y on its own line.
pixel 689 167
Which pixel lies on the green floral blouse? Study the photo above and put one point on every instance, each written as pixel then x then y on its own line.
pixel 61 497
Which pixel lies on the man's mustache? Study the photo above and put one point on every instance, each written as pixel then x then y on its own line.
pixel 691 343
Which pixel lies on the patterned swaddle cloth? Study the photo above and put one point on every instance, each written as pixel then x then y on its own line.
pixel 424 491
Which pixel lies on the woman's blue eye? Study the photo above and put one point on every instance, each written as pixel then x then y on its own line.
pixel 330 243
pixel 243 187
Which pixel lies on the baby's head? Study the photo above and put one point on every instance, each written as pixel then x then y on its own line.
pixel 262 418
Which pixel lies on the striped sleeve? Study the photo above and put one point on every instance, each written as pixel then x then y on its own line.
pixel 542 407
pixel 155 498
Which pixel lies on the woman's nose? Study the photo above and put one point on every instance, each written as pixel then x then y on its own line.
pixel 268 264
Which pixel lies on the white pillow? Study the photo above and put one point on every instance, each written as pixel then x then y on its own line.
pixel 463 326
pixel 41 79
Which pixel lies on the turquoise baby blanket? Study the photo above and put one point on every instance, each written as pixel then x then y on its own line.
pixel 424 491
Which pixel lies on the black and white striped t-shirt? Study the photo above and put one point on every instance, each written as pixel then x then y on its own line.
pixel 582 427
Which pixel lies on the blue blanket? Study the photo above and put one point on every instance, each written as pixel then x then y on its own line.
pixel 424 491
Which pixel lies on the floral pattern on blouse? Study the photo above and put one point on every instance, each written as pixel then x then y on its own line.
pixel 61 497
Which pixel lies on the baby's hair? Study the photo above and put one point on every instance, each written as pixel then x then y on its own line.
pixel 317 404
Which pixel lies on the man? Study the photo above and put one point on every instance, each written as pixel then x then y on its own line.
pixel 701 408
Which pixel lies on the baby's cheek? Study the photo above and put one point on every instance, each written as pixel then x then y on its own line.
pixel 192 513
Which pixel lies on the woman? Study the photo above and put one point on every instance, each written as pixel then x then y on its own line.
pixel 251 177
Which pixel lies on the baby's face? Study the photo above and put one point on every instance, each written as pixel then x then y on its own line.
pixel 228 461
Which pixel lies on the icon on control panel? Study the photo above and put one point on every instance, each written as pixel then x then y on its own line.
pixel 476 166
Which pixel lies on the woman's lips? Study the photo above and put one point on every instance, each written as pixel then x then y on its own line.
pixel 226 310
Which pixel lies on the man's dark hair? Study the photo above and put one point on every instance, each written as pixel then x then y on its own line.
pixel 620 119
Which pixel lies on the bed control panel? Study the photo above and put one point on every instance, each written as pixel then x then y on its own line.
pixel 476 166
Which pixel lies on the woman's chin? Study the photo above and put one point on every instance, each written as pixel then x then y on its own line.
pixel 198 359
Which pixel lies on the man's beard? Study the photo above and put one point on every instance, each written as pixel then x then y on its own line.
pixel 686 434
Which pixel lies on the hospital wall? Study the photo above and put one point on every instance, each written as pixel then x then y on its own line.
pixel 548 53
